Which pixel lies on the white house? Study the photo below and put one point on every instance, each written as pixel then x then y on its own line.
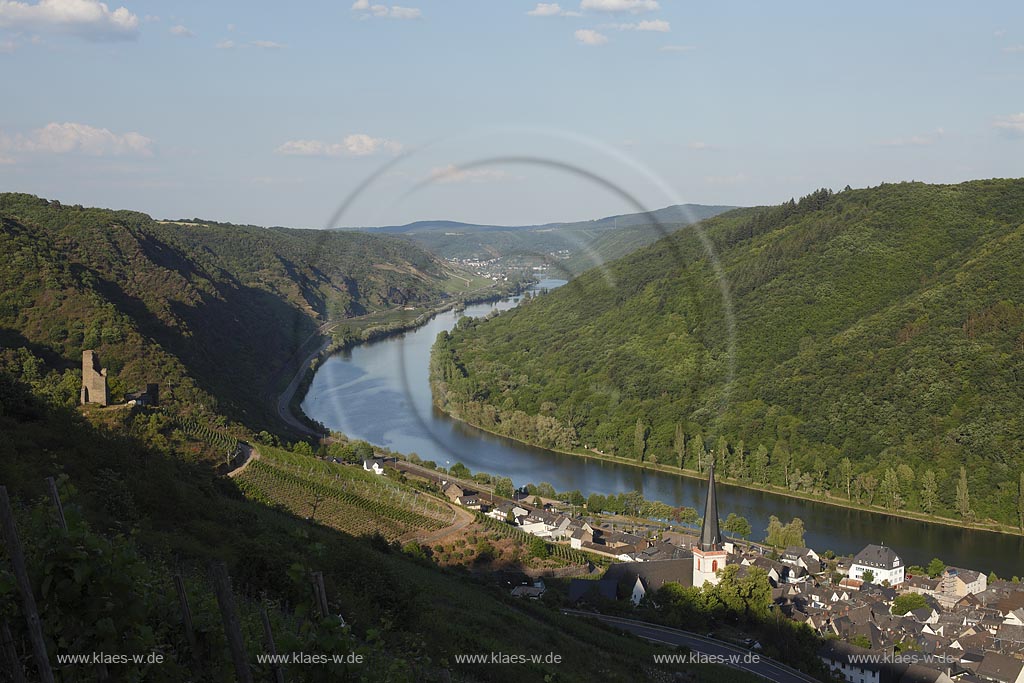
pixel 375 465
pixel 883 564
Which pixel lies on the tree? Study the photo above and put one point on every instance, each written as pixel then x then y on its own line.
pixel 907 602
pixel 460 471
pixel 737 525
pixel 890 490
pixel 503 487
pixel 867 483
pixel 1020 502
pixel 722 456
pixel 538 548
pixel 783 459
pixel 935 567
pixel 639 440
pixel 963 498
pixel 302 448
pixel 679 445
pixel 868 576
pixel 929 491
pixel 759 464
pixel 784 536
pixel 696 447
pixel 846 472
pixel 739 462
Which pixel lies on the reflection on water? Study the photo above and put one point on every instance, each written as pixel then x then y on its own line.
pixel 380 393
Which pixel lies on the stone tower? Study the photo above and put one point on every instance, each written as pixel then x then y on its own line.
pixel 94 380
pixel 709 554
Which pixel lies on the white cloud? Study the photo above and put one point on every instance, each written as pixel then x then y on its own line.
pixel 355 145
pixel 658 25
pixel 633 6
pixel 915 140
pixel 588 36
pixel 677 48
pixel 226 45
pixel 1011 125
pixel 453 174
pixel 7 47
pixel 79 138
pixel 231 28
pixel 698 145
pixel 551 9
pixel 88 19
pixel 180 31
pixel 384 11
pixel 1013 49
pixel 267 45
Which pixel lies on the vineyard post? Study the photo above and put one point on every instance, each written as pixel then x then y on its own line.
pixel 186 618
pixel 28 599
pixel 268 633
pixel 321 594
pixel 232 625
pixel 51 485
pixel 11 654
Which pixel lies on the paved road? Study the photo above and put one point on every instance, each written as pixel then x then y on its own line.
pixel 725 653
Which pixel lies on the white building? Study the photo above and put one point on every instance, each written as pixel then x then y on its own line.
pixel 883 564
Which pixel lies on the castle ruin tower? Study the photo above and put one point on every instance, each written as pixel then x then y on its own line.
pixel 709 554
pixel 94 380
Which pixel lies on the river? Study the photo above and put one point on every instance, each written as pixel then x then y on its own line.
pixel 380 393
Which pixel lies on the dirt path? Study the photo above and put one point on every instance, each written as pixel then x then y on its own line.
pixel 463 519
pixel 250 455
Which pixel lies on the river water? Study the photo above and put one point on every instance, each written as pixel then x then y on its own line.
pixel 380 393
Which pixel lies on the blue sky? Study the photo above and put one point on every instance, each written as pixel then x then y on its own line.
pixel 275 113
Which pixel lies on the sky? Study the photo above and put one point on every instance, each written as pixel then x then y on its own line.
pixel 319 114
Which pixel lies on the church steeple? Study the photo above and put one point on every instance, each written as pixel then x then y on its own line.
pixel 710 536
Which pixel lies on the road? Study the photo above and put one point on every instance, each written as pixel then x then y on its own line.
pixel 729 655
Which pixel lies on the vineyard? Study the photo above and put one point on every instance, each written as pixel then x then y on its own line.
pixel 344 498
pixel 224 443
pixel 556 550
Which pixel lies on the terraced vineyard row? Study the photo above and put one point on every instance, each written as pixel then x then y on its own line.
pixel 341 497
pixel 204 432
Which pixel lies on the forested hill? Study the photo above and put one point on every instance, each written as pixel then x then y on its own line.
pixel 879 348
pixel 208 310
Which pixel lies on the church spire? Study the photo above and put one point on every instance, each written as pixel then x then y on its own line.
pixel 710 536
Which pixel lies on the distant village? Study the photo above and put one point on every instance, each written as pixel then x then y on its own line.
pixel 968 629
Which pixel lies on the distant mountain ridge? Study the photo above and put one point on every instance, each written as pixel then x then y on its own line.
pixel 571 246
pixel 669 215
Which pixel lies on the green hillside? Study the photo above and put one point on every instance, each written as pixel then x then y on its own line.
pixel 139 511
pixel 879 348
pixel 210 311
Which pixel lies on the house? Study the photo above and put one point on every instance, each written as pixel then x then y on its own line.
pixel 375 465
pixel 880 564
pixel 1001 668
pixel 847 661
pixel 638 579
pixel 582 590
pixel 150 396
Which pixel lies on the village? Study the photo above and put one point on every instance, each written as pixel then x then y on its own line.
pixel 881 622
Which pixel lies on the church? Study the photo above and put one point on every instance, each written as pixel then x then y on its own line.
pixel 710 553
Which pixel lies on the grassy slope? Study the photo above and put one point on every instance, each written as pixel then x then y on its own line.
pixel 885 325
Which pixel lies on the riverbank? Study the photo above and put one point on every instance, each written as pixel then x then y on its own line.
pixel 992 527
pixel 289 401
